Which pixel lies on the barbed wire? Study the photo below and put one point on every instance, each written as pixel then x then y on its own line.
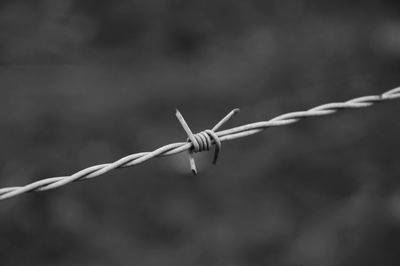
pixel 199 142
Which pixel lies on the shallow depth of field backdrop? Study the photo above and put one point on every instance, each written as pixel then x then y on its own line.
pixel 87 82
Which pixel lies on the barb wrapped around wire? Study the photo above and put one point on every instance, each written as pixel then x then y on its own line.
pixel 203 139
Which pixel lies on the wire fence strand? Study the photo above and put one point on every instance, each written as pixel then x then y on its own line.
pixel 174 148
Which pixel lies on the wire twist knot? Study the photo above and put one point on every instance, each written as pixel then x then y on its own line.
pixel 203 140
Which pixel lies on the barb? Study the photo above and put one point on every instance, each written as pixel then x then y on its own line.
pixel 203 140
pixel 174 148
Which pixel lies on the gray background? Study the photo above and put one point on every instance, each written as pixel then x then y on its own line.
pixel 87 82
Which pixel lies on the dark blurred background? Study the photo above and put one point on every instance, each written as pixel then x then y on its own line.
pixel 87 82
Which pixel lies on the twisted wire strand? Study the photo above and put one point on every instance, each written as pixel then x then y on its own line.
pixel 174 148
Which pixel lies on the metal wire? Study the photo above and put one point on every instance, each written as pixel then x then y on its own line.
pixel 174 148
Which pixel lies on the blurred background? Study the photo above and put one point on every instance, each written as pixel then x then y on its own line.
pixel 87 82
